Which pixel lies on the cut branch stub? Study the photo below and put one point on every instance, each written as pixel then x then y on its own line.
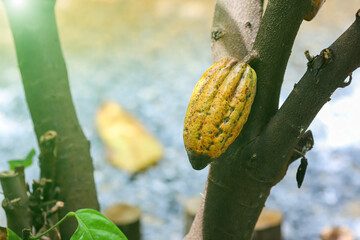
pixel 48 155
pixel 16 202
pixel 218 109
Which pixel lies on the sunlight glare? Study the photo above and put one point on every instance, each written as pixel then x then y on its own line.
pixel 18 3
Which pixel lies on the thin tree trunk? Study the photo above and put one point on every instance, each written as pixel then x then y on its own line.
pixel 240 180
pixel 47 91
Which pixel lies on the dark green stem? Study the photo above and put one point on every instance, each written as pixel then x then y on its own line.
pixel 47 91
pixel 15 203
pixel 53 227
pixel 48 155
pixel 20 170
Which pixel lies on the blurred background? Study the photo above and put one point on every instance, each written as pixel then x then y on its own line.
pixel 148 56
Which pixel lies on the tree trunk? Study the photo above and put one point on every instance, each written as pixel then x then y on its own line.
pixel 240 180
pixel 47 91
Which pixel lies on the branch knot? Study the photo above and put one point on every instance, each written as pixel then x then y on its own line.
pixel 217 33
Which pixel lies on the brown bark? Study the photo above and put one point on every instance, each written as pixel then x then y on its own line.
pixel 231 36
pixel 240 180
pixel 235 26
pixel 236 196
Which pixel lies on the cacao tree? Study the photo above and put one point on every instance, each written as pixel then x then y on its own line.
pixel 240 179
pixel 263 33
pixel 48 96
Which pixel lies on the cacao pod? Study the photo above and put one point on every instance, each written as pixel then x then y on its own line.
pixel 317 6
pixel 219 107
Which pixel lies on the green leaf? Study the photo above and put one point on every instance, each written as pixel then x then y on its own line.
pixel 7 234
pixel 94 225
pixel 12 235
pixel 27 161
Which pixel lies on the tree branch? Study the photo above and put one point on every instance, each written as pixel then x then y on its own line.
pixel 324 75
pixel 274 41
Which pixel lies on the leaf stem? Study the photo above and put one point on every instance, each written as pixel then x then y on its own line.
pixel 53 227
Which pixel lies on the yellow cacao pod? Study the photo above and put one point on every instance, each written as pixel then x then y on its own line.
pixel 317 6
pixel 219 107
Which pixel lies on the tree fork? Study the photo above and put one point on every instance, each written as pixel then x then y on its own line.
pixel 324 75
pixel 235 196
pixel 265 158
pixel 47 91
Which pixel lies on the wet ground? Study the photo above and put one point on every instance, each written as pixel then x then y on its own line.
pixel 148 55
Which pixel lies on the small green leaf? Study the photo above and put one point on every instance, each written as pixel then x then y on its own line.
pixel 7 234
pixel 94 225
pixel 27 161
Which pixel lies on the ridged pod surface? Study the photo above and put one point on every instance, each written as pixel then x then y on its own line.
pixel 317 6
pixel 219 107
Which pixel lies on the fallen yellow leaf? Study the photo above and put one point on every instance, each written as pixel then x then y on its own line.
pixel 131 147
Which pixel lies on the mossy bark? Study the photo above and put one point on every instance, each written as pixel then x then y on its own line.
pixel 47 91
